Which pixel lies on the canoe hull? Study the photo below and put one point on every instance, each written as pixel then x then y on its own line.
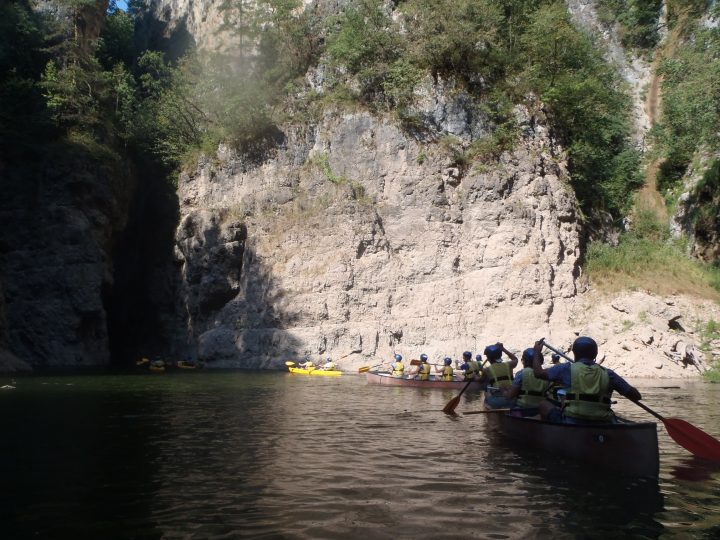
pixel 316 372
pixel 387 379
pixel 626 448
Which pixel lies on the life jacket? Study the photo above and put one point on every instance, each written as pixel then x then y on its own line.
pixel 329 366
pixel 424 372
pixel 447 373
pixel 532 390
pixel 589 395
pixel 472 370
pixel 500 375
pixel 398 369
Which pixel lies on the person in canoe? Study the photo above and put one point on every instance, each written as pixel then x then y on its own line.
pixel 447 370
pixel 589 386
pixel 398 368
pixel 527 390
pixel 329 365
pixel 307 364
pixel 498 375
pixel 471 367
pixel 423 370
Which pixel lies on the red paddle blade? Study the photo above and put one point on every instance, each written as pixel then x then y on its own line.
pixel 693 439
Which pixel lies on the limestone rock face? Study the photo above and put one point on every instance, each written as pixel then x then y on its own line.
pixel 56 227
pixel 355 239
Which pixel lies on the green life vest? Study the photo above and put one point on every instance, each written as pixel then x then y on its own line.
pixel 500 375
pixel 532 390
pixel 473 369
pixel 447 373
pixel 424 371
pixel 398 369
pixel 589 395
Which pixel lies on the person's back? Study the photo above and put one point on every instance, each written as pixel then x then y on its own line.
pixel 498 375
pixel 589 386
pixel 329 365
pixel 424 370
pixel 528 389
pixel 471 367
pixel 398 368
pixel 447 371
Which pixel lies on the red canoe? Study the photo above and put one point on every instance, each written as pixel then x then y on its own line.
pixel 375 377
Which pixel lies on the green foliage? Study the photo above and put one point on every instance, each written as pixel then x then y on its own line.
pixel 691 86
pixel 647 258
pixel 638 20
pixel 116 42
pixel 588 107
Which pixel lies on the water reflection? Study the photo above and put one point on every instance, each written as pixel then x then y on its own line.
pixel 229 455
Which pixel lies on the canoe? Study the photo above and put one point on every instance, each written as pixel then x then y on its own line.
pixel 314 371
pixel 376 377
pixel 627 448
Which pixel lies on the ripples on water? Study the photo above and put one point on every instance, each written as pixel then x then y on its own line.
pixel 270 455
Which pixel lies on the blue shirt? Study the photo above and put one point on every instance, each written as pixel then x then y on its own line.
pixel 561 374
pixel 517 381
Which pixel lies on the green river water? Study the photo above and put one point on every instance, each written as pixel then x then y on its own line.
pixel 207 455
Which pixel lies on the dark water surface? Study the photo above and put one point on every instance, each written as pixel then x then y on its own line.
pixel 272 455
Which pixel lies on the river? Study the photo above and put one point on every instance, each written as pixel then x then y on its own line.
pixel 217 455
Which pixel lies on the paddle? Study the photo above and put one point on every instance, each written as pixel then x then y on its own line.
pixel 365 369
pixel 691 438
pixel 453 403
pixel 487 411
pixel 289 363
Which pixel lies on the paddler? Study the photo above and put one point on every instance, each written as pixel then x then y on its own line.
pixel 498 375
pixel 589 386
pixel 471 367
pixel 526 388
pixel 447 370
pixel 398 368
pixel 329 365
pixel 423 371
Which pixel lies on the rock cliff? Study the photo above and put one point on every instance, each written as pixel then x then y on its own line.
pixel 356 239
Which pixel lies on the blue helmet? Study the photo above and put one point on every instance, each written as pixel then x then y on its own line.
pixel 493 352
pixel 398 358
pixel 423 357
pixel 528 355
pixel 467 355
pixel 478 357
pixel 585 347
pixel 448 360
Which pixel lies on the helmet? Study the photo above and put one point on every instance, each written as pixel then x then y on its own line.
pixel 529 354
pixel 467 354
pixel 329 359
pixel 478 357
pixel 448 360
pixel 398 357
pixel 555 358
pixel 423 357
pixel 585 347
pixel 493 352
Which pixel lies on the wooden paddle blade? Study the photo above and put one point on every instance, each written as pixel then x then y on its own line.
pixel 693 439
pixel 452 405
pixel 415 363
pixel 364 369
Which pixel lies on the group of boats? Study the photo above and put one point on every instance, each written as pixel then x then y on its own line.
pixel 624 446
pixel 160 366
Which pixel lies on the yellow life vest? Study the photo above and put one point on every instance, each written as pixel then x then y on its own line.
pixel 398 369
pixel 424 372
pixel 472 370
pixel 447 373
pixel 329 366
pixel 532 390
pixel 500 375
pixel 589 394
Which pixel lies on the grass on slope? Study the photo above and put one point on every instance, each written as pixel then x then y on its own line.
pixel 646 258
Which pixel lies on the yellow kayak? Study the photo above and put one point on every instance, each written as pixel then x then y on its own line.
pixel 313 371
